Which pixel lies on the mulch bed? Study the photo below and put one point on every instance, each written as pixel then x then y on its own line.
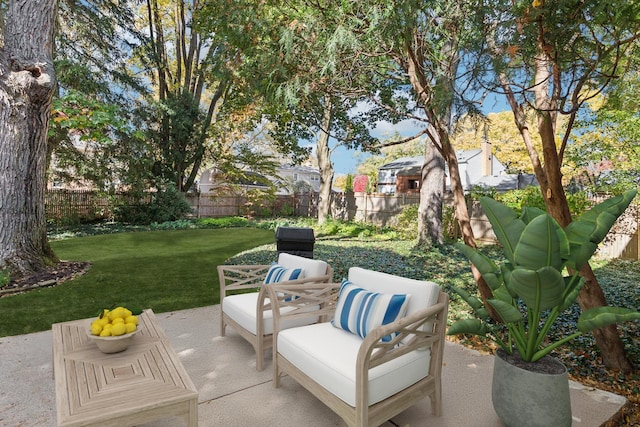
pixel 60 273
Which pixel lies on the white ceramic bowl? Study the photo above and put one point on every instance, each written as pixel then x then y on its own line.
pixel 113 344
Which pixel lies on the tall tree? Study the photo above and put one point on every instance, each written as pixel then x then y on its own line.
pixel 189 71
pixel 305 73
pixel 27 82
pixel 92 104
pixel 554 55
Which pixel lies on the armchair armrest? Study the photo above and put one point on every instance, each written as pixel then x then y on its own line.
pixel 239 277
pixel 419 331
pixel 307 300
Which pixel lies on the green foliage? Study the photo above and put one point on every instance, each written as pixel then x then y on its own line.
pixel 166 205
pixel 287 210
pixel 225 222
pixel 348 183
pixel 407 222
pixel 531 197
pixel 538 253
pixel 5 278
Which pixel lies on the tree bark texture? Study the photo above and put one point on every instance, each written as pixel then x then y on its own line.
pixel 323 153
pixel 27 81
pixel 430 229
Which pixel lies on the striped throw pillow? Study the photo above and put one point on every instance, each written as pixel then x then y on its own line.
pixel 278 273
pixel 360 311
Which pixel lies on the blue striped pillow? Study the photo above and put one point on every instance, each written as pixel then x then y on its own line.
pixel 360 311
pixel 278 273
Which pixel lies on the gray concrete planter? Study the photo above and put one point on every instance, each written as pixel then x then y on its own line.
pixel 524 398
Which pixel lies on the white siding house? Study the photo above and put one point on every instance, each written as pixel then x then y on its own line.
pixel 477 168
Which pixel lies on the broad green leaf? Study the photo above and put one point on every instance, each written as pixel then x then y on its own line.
pixel 474 302
pixel 483 263
pixel 540 290
pixel 503 295
pixel 505 223
pixel 573 284
pixel 468 326
pixel 591 228
pixel 507 269
pixel 508 313
pixel 529 213
pixel 598 317
pixel 539 245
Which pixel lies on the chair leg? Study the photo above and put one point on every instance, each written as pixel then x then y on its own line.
pixel 222 325
pixel 276 374
pixel 259 361
pixel 436 401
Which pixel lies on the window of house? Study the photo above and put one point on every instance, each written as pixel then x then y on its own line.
pixel 414 184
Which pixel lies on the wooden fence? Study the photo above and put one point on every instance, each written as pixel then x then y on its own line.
pixel 622 242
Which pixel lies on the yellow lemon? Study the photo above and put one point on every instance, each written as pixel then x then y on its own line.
pixel 105 332
pixel 96 328
pixel 117 320
pixel 127 313
pixel 117 312
pixel 105 313
pixel 130 327
pixel 118 329
pixel 102 321
pixel 131 319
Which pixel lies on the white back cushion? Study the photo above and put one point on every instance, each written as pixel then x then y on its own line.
pixel 311 267
pixel 423 293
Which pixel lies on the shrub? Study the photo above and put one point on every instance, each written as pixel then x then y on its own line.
pixel 225 222
pixel 407 222
pixel 166 205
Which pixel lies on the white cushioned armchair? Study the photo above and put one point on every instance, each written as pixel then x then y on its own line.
pixel 364 371
pixel 244 301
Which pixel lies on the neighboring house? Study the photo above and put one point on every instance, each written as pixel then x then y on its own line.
pixel 477 167
pixel 290 177
pixel 208 182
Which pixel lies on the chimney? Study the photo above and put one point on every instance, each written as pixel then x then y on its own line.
pixel 487 157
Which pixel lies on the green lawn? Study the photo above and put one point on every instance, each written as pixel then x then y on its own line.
pixel 162 270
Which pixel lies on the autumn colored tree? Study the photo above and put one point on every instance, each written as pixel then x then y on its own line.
pixel 554 56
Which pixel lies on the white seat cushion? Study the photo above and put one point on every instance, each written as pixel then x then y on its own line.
pixel 242 308
pixel 328 355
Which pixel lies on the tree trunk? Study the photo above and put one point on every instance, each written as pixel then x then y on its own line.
pixel 440 139
pixel 430 230
pixel 27 82
pixel 323 154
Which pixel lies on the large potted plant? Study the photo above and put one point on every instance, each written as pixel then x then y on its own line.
pixel 537 280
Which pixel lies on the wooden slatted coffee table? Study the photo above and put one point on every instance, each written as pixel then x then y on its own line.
pixel 145 382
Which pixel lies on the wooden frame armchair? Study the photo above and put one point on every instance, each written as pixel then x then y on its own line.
pixel 245 304
pixel 366 381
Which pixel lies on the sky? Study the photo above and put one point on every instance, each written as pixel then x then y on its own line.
pixel 345 160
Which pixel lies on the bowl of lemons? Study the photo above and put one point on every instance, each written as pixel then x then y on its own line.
pixel 113 330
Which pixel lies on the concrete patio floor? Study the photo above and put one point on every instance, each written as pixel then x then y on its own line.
pixel 232 393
